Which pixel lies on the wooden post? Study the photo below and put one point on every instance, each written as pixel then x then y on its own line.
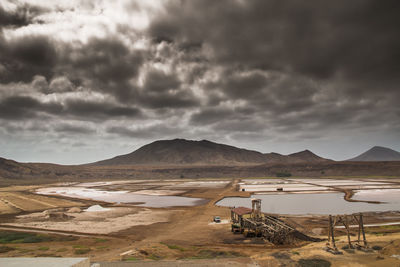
pixel 346 224
pixel 331 230
pixel 362 229
pixel 359 229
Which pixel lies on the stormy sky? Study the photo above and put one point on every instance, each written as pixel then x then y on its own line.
pixel 84 80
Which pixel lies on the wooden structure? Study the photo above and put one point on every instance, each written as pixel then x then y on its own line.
pixel 253 222
pixel 346 220
pixel 237 218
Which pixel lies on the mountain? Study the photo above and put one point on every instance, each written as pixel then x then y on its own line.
pixel 378 153
pixel 307 156
pixel 191 159
pixel 277 158
pixel 188 152
pixel 181 151
pixel 10 168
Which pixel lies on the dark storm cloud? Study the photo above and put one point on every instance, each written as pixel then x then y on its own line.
pixel 25 107
pixel 265 91
pixel 105 65
pixel 92 109
pixel 108 64
pixel 174 100
pixel 294 66
pixel 22 58
pixel 22 16
pixel 73 129
pixel 249 86
pixel 237 126
pixel 26 57
pixel 161 90
pixel 159 82
pixel 317 38
pixel 227 70
pixel 211 115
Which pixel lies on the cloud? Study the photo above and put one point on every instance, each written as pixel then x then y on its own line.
pixel 59 84
pixel 316 38
pixel 211 115
pixel 153 131
pixel 74 129
pixel 91 109
pixel 159 82
pixel 25 107
pixel 162 90
pixel 107 65
pixel 28 107
pixel 22 15
pixel 26 57
pixel 264 72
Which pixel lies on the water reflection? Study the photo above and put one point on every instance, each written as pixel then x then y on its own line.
pixel 317 203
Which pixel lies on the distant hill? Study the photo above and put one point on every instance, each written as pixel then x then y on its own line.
pixel 181 151
pixel 278 158
pixel 378 153
pixel 191 159
pixel 307 156
pixel 10 168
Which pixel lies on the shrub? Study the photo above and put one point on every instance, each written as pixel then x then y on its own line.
pixel 314 263
pixel 81 251
pixel 283 174
pixel 4 249
pixel 19 237
pixel 154 257
pixel 130 259
pixel 173 246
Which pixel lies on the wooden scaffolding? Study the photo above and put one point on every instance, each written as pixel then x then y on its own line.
pixel 257 224
pixel 347 221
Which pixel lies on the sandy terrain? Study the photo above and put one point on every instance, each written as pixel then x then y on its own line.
pixel 95 222
pixel 154 235
pixel 16 201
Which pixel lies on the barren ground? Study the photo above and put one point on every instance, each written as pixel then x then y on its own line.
pixel 179 233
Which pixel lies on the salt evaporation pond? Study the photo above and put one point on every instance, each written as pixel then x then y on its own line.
pixel 153 201
pixel 316 204
pixel 381 195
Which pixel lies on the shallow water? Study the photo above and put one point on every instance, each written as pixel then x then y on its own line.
pixel 337 182
pixel 382 195
pixel 318 204
pixel 271 185
pixel 199 184
pixel 154 201
pixel 96 184
pixel 285 187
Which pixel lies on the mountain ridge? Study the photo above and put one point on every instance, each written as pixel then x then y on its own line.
pixel 378 153
pixel 182 151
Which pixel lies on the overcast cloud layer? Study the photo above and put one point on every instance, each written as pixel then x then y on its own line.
pixel 85 80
